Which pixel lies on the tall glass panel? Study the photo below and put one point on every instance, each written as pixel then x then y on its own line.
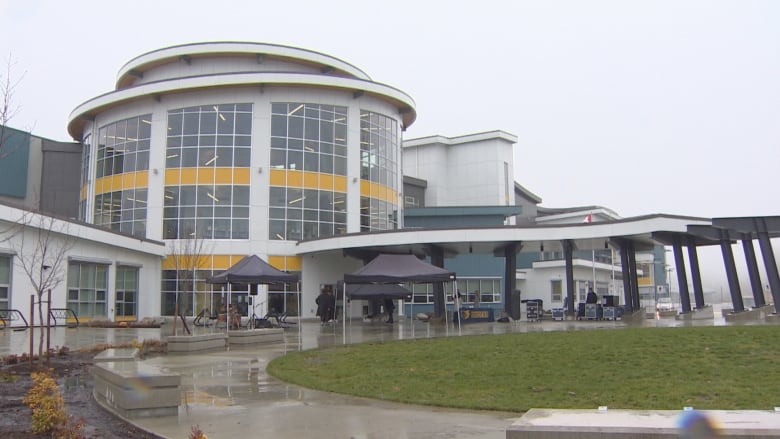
pixel 123 148
pixel 311 138
pixel 86 147
pixel 208 137
pixel 379 149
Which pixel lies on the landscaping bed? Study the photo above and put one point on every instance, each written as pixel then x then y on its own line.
pixel 71 371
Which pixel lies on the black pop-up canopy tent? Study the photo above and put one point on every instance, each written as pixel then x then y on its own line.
pixel 396 269
pixel 253 270
pixel 376 291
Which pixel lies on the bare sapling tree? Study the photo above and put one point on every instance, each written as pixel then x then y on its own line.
pixel 42 244
pixel 188 256
pixel 8 108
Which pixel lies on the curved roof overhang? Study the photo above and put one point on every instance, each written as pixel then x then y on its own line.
pixel 89 110
pixel 187 52
pixel 486 240
pixel 724 230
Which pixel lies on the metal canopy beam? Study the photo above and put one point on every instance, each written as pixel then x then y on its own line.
pixel 769 224
pixel 668 238
pixel 714 235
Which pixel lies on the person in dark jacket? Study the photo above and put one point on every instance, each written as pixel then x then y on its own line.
pixel 591 297
pixel 326 305
pixel 389 308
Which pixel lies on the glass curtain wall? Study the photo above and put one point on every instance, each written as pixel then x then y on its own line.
pixel 308 171
pixel 379 149
pixel 206 145
pixel 123 149
pixel 86 151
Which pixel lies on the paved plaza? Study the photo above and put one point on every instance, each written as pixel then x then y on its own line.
pixel 228 393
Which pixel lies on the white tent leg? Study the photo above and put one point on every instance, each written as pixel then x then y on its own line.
pixel 446 320
pixel 227 309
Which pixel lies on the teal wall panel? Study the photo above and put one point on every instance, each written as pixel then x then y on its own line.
pixel 14 157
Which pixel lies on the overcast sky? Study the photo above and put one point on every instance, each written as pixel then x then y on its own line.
pixel 639 106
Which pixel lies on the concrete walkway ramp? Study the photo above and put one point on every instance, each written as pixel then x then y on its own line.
pixel 645 424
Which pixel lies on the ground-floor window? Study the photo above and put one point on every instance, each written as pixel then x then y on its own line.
pixel 126 305
pixel 87 284
pixel 582 290
pixel 196 295
pixel 5 282
pixel 284 299
pixel 480 290
pixel 556 290
pixel 188 290
pixel 473 290
pixel 421 293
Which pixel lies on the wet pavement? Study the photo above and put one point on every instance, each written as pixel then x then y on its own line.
pixel 228 393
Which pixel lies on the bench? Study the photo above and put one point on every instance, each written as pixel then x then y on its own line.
pixel 254 336
pixel 135 390
pixel 193 343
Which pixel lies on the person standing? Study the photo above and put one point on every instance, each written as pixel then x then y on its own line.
pixel 325 306
pixel 389 308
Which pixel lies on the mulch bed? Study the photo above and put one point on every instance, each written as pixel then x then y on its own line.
pixel 71 371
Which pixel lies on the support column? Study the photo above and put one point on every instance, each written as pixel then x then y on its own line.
pixel 439 305
pixel 769 261
pixel 755 278
pixel 625 267
pixel 568 249
pixel 693 259
pixel 731 272
pixel 510 278
pixel 636 305
pixel 682 278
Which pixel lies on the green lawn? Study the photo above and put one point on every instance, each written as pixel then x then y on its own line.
pixel 643 368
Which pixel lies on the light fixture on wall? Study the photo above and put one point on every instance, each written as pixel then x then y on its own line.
pixel 606 245
pixel 471 250
pixel 541 247
pixel 260 170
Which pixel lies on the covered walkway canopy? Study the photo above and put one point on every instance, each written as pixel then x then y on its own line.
pixel 627 236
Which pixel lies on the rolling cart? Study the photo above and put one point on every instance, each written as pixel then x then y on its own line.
pixel 533 312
